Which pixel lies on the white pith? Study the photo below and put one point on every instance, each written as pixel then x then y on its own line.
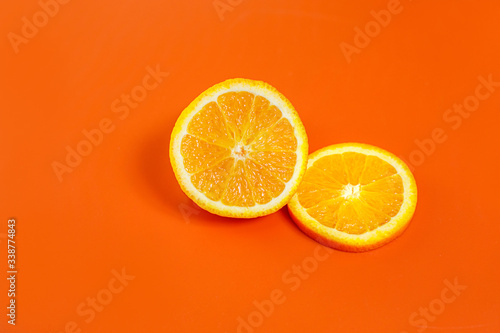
pixel 351 191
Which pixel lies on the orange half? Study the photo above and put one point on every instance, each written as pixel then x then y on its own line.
pixel 354 197
pixel 239 149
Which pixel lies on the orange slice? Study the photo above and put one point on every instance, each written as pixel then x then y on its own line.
pixel 354 197
pixel 239 149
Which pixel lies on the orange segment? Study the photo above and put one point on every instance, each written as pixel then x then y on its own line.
pixel 354 165
pixel 238 191
pixel 323 211
pixel 213 181
pixel 199 154
pixel 279 137
pixel 348 219
pixel 354 197
pixel 279 163
pixel 370 217
pixel 376 169
pixel 310 194
pixel 263 116
pixel 264 184
pixel 329 169
pixel 386 203
pixel 209 124
pixel 235 107
pixel 237 154
pixel 392 184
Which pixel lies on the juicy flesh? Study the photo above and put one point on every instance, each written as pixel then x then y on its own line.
pixel 240 150
pixel 351 192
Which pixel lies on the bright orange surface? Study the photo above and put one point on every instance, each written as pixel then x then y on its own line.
pixel 121 208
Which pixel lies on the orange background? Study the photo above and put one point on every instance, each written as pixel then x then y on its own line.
pixel 121 207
